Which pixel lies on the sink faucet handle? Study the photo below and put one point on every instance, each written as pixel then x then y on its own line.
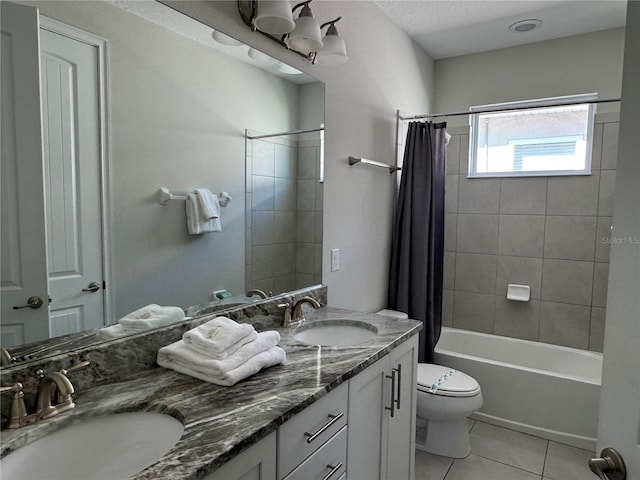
pixel 76 367
pixel 286 314
pixel 18 411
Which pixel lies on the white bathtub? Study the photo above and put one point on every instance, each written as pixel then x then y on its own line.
pixel 545 390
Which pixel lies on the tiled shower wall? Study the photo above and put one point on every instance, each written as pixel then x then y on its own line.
pixel 283 215
pixel 551 233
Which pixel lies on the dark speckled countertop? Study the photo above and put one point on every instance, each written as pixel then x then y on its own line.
pixel 221 422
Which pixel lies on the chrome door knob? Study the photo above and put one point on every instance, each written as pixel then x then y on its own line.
pixel 609 466
pixel 32 302
pixel 92 287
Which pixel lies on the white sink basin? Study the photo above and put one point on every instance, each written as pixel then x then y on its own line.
pixel 107 448
pixel 335 333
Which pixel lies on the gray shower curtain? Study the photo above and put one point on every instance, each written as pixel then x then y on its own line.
pixel 417 245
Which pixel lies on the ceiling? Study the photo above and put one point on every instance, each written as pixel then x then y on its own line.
pixel 448 28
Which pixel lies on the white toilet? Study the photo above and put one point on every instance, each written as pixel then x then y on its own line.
pixel 445 398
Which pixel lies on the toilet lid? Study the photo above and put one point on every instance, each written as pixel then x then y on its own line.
pixel 439 380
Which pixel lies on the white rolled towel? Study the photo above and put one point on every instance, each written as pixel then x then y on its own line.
pixel 179 353
pixel 268 358
pixel 151 316
pixel 219 338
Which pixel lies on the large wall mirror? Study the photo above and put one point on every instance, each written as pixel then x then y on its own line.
pixel 136 97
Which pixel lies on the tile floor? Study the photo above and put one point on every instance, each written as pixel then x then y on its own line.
pixel 502 454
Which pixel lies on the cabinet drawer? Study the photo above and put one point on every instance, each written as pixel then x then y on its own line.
pixel 328 462
pixel 298 438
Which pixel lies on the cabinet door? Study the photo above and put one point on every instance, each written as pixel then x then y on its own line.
pixel 258 462
pixel 369 394
pixel 402 426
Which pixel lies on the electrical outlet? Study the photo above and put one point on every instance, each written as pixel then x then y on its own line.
pixel 335 259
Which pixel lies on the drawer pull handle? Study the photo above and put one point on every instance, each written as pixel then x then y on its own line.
pixel 334 418
pixel 334 469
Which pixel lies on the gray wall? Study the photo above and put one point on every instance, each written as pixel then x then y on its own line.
pixel 550 233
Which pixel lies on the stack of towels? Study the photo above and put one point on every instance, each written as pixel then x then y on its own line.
pixel 203 212
pixel 145 318
pixel 223 352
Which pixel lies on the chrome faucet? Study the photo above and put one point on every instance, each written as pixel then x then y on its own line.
pixel 5 357
pixel 298 312
pixel 260 293
pixel 64 388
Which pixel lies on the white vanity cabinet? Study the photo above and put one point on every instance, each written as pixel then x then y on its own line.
pixel 362 430
pixel 382 413
pixel 258 462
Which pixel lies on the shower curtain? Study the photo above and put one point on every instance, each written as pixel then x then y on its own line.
pixel 417 245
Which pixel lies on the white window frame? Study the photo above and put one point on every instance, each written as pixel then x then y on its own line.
pixel 474 117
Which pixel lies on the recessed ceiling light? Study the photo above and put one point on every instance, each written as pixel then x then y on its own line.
pixel 258 56
pixel 288 69
pixel 225 39
pixel 525 25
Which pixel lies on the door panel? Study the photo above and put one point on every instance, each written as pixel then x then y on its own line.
pixel 22 233
pixel 71 124
pixel 619 425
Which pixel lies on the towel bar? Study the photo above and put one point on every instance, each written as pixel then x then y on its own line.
pixel 354 160
pixel 165 196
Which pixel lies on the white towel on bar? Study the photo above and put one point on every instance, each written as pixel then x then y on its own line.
pixel 196 221
pixel 179 353
pixel 209 203
pixel 219 338
pixel 151 316
pixel 268 358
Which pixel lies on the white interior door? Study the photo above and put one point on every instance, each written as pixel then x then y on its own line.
pixel 22 233
pixel 619 425
pixel 71 131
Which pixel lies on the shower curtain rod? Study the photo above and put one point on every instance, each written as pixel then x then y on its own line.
pixel 295 132
pixel 492 110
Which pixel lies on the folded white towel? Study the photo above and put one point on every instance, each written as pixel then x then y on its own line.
pixel 151 316
pixel 268 358
pixel 219 338
pixel 209 204
pixel 180 354
pixel 113 331
pixel 196 222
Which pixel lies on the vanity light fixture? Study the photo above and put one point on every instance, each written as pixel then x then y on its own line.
pixel 304 36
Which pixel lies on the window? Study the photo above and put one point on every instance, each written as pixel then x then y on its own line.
pixel 533 140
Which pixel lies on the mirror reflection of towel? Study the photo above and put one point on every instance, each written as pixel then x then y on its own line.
pixel 209 203
pixel 196 222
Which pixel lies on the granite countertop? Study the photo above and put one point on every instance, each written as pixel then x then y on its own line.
pixel 221 422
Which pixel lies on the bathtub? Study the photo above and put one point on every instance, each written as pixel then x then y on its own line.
pixel 545 390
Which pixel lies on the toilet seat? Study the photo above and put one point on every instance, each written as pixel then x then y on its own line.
pixel 445 381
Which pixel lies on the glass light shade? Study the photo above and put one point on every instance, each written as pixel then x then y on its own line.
pixel 306 37
pixel 334 52
pixel 274 16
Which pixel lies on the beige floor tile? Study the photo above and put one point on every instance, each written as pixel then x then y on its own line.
pixel 507 446
pixel 478 468
pixel 431 467
pixel 567 463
